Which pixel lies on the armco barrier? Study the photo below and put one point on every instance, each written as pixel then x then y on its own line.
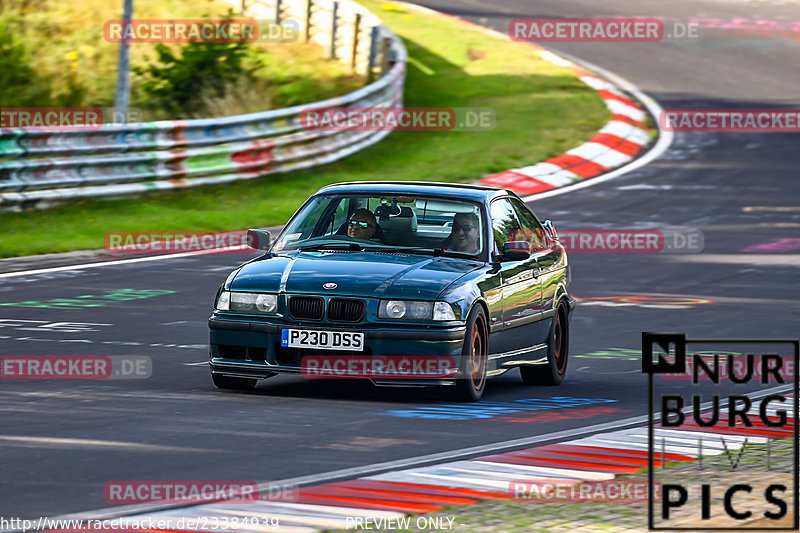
pixel 40 167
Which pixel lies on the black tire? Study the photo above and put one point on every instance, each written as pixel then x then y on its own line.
pixel 471 380
pixel 233 383
pixel 557 354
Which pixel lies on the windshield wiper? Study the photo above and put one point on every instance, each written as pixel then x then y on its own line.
pixel 436 252
pixel 333 246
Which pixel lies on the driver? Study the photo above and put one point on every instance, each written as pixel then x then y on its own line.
pixel 362 224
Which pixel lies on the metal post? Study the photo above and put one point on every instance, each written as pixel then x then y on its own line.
pixel 373 50
pixel 386 44
pixel 308 19
pixel 354 52
pixel 332 45
pixel 122 93
pixel 277 12
pixel 244 6
pixel 700 452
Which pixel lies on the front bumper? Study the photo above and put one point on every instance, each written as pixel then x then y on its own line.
pixel 245 348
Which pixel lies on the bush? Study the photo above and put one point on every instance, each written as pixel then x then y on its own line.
pixel 19 84
pixel 181 85
pixel 22 85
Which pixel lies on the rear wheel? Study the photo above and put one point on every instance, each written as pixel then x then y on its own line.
pixel 233 383
pixel 472 375
pixel 557 354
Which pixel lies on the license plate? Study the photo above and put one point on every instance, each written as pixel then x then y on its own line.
pixel 322 340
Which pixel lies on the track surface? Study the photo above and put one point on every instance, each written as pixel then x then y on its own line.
pixel 77 436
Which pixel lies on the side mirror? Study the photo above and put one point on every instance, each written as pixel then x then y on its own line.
pixel 516 250
pixel 258 239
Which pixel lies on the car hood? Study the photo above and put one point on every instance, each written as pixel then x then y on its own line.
pixel 384 275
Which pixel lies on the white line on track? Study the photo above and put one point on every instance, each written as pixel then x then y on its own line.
pixel 122 261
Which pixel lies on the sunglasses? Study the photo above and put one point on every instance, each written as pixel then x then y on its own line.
pixel 462 228
pixel 359 224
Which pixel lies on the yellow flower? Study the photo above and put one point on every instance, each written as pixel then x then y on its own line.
pixel 73 65
pixel 72 56
pixel 87 51
pixel 392 7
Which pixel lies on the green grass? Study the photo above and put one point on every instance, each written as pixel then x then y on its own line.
pixel 541 111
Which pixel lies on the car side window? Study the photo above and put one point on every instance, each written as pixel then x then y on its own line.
pixel 532 230
pixel 505 225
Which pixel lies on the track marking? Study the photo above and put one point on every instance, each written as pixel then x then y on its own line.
pixel 753 260
pixel 120 343
pixel 29 440
pixel 121 261
pixel 770 208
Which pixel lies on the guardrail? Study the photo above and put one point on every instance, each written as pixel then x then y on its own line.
pixel 39 168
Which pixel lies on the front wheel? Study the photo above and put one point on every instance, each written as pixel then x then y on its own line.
pixel 472 372
pixel 557 353
pixel 233 383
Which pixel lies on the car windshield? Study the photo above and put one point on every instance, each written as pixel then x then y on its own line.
pixel 409 224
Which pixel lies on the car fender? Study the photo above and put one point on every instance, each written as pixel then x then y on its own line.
pixel 464 292
pixel 562 295
pixel 227 284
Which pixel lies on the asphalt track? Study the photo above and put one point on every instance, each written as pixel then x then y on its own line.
pixel 62 441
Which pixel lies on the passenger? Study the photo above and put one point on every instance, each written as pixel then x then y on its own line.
pixel 465 235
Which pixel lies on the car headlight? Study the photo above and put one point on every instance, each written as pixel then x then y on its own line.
pixel 267 303
pixel 248 302
pixel 223 301
pixel 414 310
pixel 392 309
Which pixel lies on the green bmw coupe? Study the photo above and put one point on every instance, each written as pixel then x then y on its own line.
pixel 401 283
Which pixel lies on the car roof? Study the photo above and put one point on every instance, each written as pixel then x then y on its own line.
pixel 446 190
